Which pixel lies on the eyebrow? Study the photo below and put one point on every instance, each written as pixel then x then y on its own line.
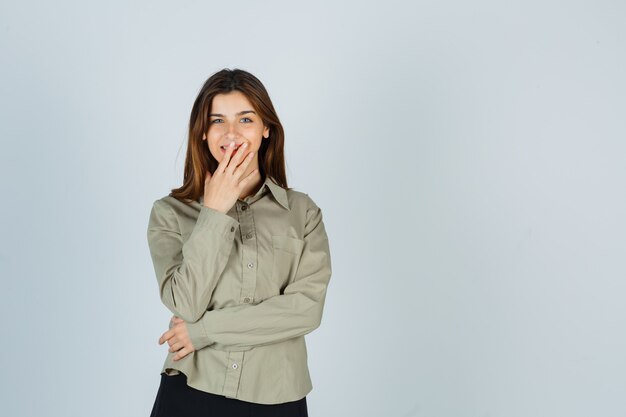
pixel 238 114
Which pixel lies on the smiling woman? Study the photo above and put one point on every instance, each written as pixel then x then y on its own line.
pixel 241 260
pixel 229 124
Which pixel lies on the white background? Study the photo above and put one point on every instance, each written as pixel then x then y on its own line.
pixel 468 158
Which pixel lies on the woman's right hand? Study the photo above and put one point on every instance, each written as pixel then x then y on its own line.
pixel 222 189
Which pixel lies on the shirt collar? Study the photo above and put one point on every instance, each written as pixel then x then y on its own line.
pixel 279 193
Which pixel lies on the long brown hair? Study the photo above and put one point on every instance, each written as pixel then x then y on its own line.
pixel 199 158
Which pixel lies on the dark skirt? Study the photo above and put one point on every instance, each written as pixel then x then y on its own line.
pixel 177 399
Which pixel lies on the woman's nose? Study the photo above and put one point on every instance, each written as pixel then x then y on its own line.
pixel 232 129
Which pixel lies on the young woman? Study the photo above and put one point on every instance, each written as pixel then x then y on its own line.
pixel 241 260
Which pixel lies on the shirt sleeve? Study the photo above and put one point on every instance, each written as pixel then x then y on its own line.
pixel 296 312
pixel 188 273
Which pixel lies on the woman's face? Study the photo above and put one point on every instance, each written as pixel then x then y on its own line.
pixel 233 118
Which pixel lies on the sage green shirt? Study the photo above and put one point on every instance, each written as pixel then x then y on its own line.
pixel 249 283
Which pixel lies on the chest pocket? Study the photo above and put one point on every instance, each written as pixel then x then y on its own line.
pixel 287 251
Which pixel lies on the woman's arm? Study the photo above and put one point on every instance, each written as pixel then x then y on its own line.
pixel 295 313
pixel 188 273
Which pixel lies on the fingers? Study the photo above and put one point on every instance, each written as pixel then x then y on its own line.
pixel 176 346
pixel 229 162
pixel 246 161
pixel 182 353
pixel 241 167
pixel 236 161
pixel 166 336
pixel 182 346
pixel 226 159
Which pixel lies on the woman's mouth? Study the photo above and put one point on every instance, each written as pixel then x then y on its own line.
pixel 223 148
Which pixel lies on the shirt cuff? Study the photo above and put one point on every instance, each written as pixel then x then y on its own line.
pixel 218 221
pixel 197 335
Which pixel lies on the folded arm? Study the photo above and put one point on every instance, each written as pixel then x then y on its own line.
pixel 188 273
pixel 296 312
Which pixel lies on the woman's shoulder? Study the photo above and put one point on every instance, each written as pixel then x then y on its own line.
pixel 305 210
pixel 300 199
pixel 169 199
pixel 174 206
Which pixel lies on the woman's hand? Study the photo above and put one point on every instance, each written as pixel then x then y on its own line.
pixel 222 189
pixel 178 338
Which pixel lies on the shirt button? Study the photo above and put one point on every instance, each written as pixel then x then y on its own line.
pixel 249 236
pixel 232 228
pixel 243 207
pixel 246 300
pixel 234 366
pixel 250 265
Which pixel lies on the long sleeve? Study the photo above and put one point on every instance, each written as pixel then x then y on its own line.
pixel 296 312
pixel 188 273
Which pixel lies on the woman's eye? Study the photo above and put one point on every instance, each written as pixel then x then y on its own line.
pixel 245 118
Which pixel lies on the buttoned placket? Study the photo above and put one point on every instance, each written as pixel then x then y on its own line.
pixel 249 251
pixel 249 256
pixel 233 374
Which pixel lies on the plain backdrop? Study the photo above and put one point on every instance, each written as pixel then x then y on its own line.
pixel 468 156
